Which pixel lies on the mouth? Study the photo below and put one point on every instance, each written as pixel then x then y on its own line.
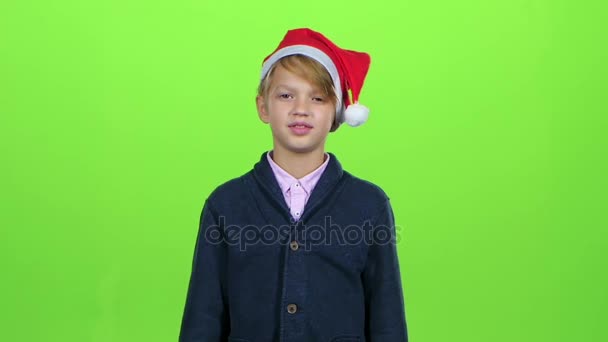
pixel 300 128
pixel 300 124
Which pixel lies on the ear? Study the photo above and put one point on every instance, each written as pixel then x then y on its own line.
pixel 261 106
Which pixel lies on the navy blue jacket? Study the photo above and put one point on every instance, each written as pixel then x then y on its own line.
pixel 258 275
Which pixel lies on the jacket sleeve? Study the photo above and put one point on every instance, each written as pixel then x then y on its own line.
pixel 205 317
pixel 385 311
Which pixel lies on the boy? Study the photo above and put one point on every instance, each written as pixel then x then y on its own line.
pixel 298 249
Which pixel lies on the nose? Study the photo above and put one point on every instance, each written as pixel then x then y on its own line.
pixel 301 106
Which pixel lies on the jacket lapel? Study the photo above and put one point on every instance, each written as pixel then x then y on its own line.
pixel 270 190
pixel 326 185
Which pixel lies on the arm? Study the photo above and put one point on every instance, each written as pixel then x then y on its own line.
pixel 205 316
pixel 385 312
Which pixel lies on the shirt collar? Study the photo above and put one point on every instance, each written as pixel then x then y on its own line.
pixel 286 180
pixel 266 188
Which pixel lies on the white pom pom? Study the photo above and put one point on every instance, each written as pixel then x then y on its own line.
pixel 356 114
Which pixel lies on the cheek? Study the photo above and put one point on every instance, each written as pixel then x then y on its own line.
pixel 331 114
pixel 276 107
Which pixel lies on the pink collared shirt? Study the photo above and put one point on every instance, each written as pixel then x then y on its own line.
pixel 296 191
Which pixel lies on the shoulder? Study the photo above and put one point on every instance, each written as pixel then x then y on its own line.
pixel 227 192
pixel 364 195
pixel 369 199
pixel 365 187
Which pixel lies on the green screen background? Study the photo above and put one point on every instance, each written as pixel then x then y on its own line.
pixel 487 131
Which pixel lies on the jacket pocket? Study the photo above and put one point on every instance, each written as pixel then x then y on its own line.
pixel 346 339
pixel 234 339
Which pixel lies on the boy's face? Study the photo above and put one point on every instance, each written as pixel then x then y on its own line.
pixel 290 100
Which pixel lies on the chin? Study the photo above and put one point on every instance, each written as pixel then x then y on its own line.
pixel 306 149
pixel 294 148
pixel 295 145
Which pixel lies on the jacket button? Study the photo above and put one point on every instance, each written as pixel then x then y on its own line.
pixel 294 245
pixel 292 308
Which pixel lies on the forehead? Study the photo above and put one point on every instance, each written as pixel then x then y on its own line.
pixel 281 77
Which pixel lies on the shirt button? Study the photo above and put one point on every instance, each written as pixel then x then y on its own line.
pixel 297 213
pixel 294 245
pixel 292 308
pixel 297 185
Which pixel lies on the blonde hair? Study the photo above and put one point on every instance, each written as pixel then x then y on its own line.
pixel 310 70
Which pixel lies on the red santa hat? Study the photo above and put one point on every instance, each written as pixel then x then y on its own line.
pixel 347 69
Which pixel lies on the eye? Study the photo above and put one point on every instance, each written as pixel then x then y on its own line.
pixel 285 96
pixel 318 99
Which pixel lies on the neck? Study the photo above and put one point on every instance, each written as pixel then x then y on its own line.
pixel 298 164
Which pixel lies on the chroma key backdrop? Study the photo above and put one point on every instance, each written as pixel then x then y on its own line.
pixel 487 131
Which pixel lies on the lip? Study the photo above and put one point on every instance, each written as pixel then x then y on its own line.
pixel 300 128
pixel 300 123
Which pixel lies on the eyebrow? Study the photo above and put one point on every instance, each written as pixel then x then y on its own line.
pixel 292 89
pixel 285 86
